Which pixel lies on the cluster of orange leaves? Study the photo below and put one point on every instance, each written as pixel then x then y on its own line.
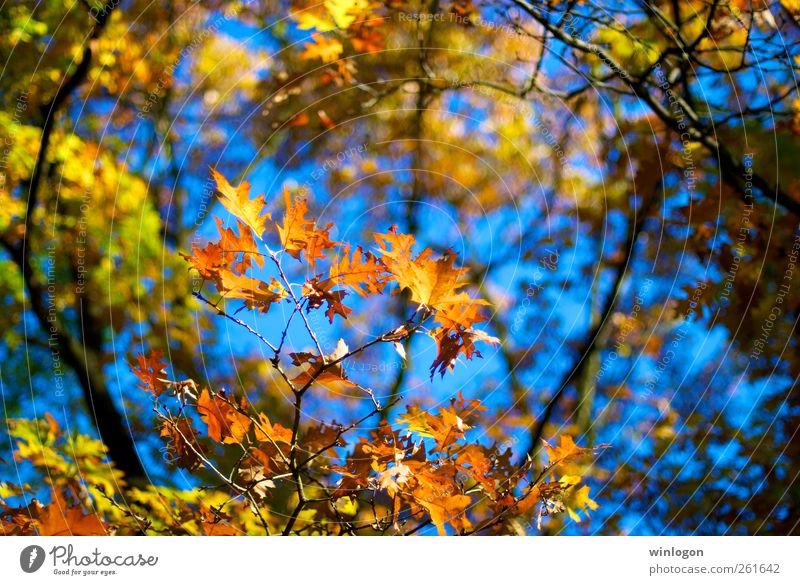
pixel 58 518
pixel 425 466
pixel 433 283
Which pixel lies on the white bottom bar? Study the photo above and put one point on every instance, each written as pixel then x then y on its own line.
pixel 350 561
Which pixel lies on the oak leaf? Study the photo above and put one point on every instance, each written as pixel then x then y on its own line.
pixel 345 12
pixel 576 499
pixel 363 272
pixel 183 449
pixel 237 201
pixel 326 49
pixel 456 341
pixel 329 372
pixel 440 496
pixel 215 523
pixel 300 235
pixel 60 519
pixel 255 293
pixel 152 372
pixel 318 291
pixel 433 282
pixel 208 261
pixel 567 450
pixel 240 248
pixel 225 424
pixel 267 431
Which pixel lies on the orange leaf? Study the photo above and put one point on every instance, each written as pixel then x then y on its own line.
pixel 265 431
pixel 567 450
pixel 326 49
pixel 439 495
pixel 255 293
pixel 152 372
pixel 225 424
pixel 58 519
pixel 367 38
pixel 299 119
pixel 299 234
pixel 235 245
pixel 312 368
pixel 207 261
pixel 364 273
pixel 216 523
pixel 432 282
pixel 435 283
pixel 452 342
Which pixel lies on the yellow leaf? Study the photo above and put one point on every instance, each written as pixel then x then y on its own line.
pixel 237 201
pixel 309 19
pixel 344 12
pixel 336 14
pixel 576 499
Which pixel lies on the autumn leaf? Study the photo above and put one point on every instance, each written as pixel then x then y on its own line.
pixel 451 342
pixel 215 523
pixel 254 471
pixel 370 454
pixel 576 499
pixel 60 519
pixel 152 372
pixel 208 260
pixel 237 201
pixel 298 120
pixel 329 372
pixel 448 510
pixel 567 450
pixel 344 12
pixel 433 283
pixel 182 447
pixel 367 38
pixel 225 424
pixel 232 253
pixel 316 17
pixel 267 431
pixel 440 496
pixel 364 272
pixel 472 459
pixel 241 247
pixel 326 49
pixel 300 235
pixel 463 8
pixel 447 426
pixel 322 436
pixel 330 14
pixel 255 293
pixel 319 291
